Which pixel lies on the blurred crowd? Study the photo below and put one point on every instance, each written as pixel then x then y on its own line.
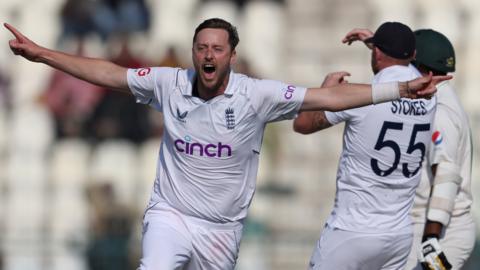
pixel 85 112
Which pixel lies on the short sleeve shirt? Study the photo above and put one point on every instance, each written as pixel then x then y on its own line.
pixel 451 142
pixel 383 149
pixel 210 150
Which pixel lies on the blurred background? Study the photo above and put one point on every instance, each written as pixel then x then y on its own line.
pixel 77 162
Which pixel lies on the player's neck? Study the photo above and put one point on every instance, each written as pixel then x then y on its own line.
pixel 389 61
pixel 206 93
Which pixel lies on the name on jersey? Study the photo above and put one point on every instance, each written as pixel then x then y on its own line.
pixel 409 107
pixel 192 148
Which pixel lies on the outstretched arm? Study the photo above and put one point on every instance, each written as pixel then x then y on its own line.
pixel 310 122
pixel 347 96
pixel 96 71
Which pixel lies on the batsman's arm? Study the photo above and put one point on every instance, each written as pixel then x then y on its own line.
pixel 446 181
pixel 96 71
pixel 433 228
pixel 446 171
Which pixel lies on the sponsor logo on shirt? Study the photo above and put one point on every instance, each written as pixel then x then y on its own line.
pixel 289 91
pixel 190 147
pixel 181 116
pixel 437 137
pixel 143 71
pixel 230 118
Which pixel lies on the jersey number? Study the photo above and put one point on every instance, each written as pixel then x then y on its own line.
pixel 412 146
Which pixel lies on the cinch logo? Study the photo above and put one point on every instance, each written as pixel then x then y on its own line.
pixel 143 71
pixel 289 92
pixel 437 137
pixel 195 148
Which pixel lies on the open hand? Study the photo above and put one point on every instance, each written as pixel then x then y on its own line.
pixel 23 46
pixel 335 78
pixel 358 34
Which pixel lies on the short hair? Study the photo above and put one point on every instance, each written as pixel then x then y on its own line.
pixel 218 23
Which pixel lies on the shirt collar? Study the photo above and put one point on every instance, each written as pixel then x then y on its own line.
pixel 185 83
pixel 392 69
pixel 396 73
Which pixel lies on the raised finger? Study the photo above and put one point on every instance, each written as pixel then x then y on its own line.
pixel 351 36
pixel 15 32
pixel 342 73
pixel 438 79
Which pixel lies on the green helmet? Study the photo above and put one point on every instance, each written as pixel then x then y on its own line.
pixel 434 51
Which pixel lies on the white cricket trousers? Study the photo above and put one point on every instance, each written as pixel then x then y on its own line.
pixel 173 241
pixel 457 242
pixel 345 250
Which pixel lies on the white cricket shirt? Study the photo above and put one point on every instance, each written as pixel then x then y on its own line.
pixel 379 167
pixel 451 141
pixel 209 155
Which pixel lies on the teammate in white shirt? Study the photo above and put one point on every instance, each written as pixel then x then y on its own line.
pixel 443 223
pixel 214 122
pixel 379 168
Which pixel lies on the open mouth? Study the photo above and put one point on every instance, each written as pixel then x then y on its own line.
pixel 209 68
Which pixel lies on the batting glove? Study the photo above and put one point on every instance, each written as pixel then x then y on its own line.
pixel 432 257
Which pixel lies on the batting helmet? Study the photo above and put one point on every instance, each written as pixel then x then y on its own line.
pixel 434 51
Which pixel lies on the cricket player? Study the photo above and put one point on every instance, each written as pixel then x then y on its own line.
pixel 214 121
pixel 444 231
pixel 379 169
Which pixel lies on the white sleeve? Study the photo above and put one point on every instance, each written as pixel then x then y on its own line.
pixel 338 117
pixel 443 151
pixel 150 84
pixel 275 101
pixel 445 138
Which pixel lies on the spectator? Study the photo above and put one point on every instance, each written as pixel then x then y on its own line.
pixel 5 98
pixel 103 17
pixel 116 115
pixel 111 227
pixel 76 17
pixel 120 16
pixel 71 101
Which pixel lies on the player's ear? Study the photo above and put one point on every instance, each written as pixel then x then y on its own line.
pixel 379 55
pixel 233 58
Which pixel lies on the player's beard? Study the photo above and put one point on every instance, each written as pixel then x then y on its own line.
pixel 215 85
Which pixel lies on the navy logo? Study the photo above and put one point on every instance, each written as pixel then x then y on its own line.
pixel 181 116
pixel 145 228
pixel 230 118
